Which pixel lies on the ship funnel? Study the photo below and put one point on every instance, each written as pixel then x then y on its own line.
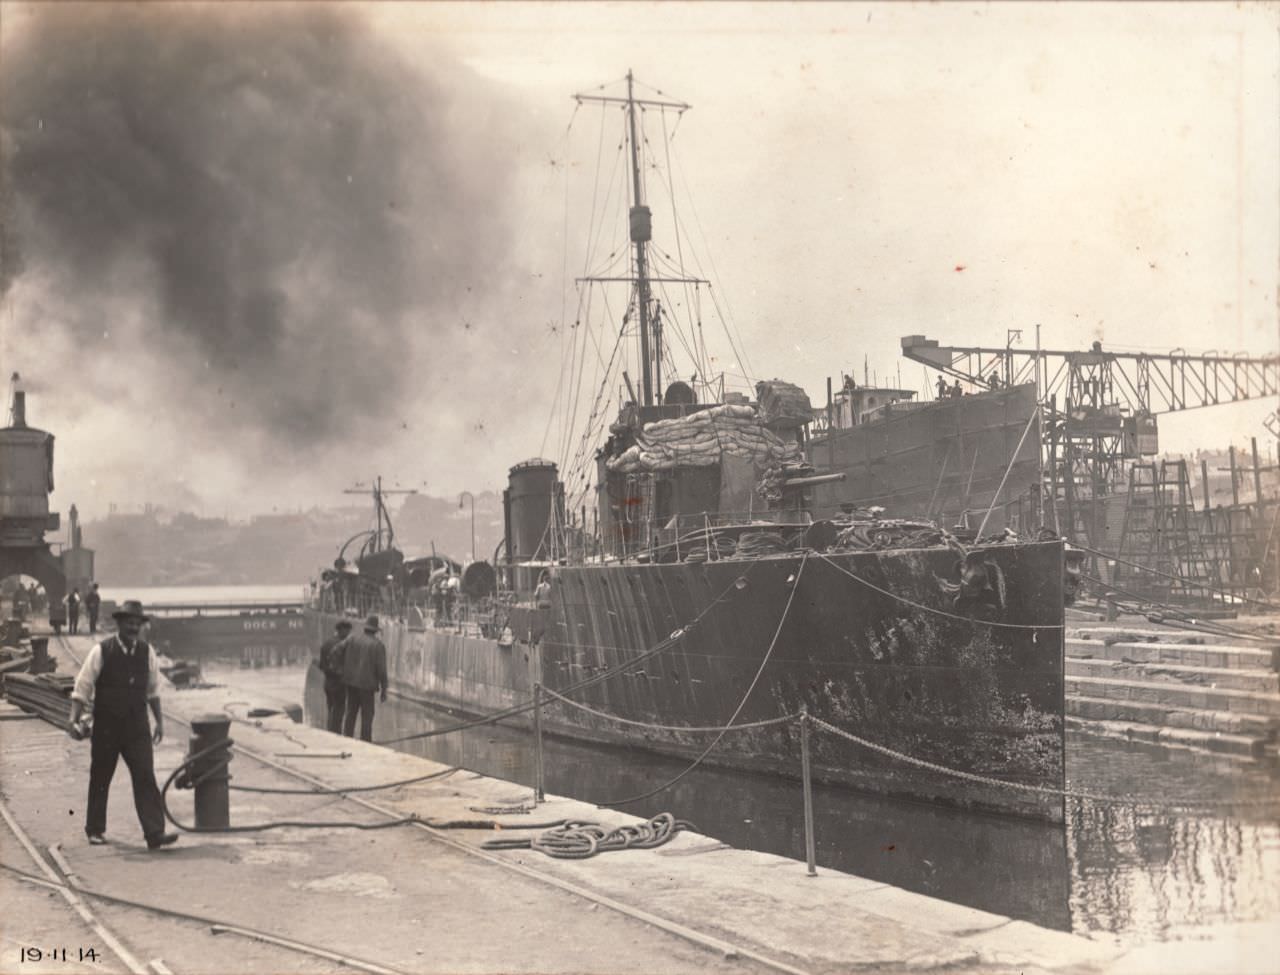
pixel 534 508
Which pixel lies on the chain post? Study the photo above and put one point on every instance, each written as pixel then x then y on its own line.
pixel 539 794
pixel 810 853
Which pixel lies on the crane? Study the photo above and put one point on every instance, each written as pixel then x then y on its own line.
pixel 1140 383
pixel 1099 407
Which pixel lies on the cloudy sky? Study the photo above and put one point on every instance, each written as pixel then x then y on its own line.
pixel 254 254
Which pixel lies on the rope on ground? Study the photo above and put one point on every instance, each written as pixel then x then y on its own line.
pixel 342 790
pixel 527 706
pixel 786 611
pixel 580 840
pixel 182 775
pixel 1126 800
pixel 938 612
pixel 668 727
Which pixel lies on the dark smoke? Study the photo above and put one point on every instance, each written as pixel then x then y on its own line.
pixel 289 205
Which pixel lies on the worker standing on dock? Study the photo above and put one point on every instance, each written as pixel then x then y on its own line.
pixel 73 611
pixel 92 602
pixel 119 681
pixel 330 664
pixel 364 670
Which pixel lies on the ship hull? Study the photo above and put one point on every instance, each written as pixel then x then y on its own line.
pixel 935 460
pixel 900 664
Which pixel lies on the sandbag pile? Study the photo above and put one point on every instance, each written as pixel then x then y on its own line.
pixel 783 404
pixel 700 439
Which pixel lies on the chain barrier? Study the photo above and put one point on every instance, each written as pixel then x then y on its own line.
pixel 1125 800
pixel 768 654
pixel 699 729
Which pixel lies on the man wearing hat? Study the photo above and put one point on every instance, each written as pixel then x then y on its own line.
pixel 330 664
pixel 364 670
pixel 119 680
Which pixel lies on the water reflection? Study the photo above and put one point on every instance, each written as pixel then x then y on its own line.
pixel 1110 869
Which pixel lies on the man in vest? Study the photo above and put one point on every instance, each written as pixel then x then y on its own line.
pixel 364 671
pixel 330 664
pixel 119 681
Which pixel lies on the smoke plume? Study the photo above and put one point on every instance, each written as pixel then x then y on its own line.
pixel 260 214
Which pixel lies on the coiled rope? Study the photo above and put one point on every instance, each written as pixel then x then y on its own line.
pixel 580 840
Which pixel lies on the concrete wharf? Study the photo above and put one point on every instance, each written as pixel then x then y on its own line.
pixel 418 899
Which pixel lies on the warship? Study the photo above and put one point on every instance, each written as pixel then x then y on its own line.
pixel 707 589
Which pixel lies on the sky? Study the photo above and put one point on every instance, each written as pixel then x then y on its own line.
pixel 258 253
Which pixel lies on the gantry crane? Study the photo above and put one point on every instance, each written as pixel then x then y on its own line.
pixel 1099 408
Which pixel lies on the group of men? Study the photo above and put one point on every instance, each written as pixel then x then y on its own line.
pixel 955 391
pixel 355 668
pixel 92 602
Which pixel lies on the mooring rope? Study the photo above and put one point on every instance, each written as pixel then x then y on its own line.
pixel 931 609
pixel 786 610
pixel 527 706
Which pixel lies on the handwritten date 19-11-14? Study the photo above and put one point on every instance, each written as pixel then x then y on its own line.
pixel 32 955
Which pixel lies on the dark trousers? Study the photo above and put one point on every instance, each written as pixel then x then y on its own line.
pixel 93 621
pixel 73 619
pixel 129 737
pixel 335 699
pixel 358 699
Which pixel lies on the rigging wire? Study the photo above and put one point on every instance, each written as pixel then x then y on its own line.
pixel 675 217
pixel 768 654
pixel 730 325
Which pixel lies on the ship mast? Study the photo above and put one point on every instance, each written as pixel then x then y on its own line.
pixel 380 511
pixel 641 234
pixel 641 221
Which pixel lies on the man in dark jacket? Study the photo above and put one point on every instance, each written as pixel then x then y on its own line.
pixel 73 611
pixel 364 670
pixel 92 601
pixel 330 664
pixel 119 681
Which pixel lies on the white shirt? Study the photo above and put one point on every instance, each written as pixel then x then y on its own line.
pixel 91 670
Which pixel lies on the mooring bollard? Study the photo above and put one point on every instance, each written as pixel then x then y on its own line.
pixel 208 775
pixel 539 795
pixel 810 855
